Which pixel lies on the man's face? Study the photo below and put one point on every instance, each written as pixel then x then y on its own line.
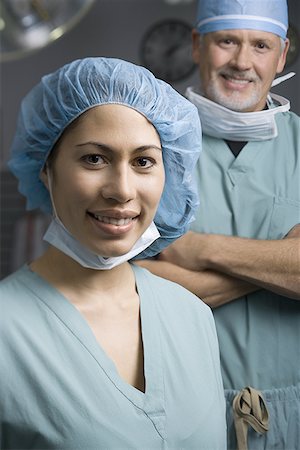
pixel 237 67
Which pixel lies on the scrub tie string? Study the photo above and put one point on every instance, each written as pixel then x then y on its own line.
pixel 249 408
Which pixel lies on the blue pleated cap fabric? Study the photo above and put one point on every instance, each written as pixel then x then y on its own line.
pixel 263 15
pixel 64 95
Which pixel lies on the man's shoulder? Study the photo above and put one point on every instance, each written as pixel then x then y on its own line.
pixel 288 124
pixel 290 117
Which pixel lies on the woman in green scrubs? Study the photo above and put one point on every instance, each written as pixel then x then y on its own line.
pixel 97 353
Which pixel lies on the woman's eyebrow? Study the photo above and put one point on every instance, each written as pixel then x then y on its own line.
pixel 101 146
pixel 95 144
pixel 148 147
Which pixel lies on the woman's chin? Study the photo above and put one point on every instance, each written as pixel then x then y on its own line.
pixel 112 251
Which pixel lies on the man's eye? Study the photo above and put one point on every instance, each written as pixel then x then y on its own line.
pixel 261 46
pixel 227 41
pixel 93 159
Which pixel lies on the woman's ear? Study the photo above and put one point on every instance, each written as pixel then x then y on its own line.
pixel 44 176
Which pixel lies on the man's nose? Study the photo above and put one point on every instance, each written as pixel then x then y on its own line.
pixel 241 59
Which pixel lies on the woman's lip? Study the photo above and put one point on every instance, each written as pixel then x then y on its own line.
pixel 114 229
pixel 115 214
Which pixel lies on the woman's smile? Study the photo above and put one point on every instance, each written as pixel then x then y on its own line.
pixel 114 223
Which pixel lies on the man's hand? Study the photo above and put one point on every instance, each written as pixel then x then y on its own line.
pixel 294 232
pixel 189 251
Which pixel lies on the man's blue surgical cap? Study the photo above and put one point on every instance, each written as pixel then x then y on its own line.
pixel 64 95
pixel 263 15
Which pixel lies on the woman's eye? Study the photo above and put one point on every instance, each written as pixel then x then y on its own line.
pixel 143 162
pixel 93 159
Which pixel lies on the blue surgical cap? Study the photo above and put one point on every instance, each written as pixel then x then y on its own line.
pixel 64 95
pixel 263 15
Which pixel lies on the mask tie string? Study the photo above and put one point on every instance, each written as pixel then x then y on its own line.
pixel 283 78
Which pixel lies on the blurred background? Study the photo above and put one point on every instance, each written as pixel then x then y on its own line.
pixel 38 36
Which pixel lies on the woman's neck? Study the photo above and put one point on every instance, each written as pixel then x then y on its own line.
pixel 108 301
pixel 77 282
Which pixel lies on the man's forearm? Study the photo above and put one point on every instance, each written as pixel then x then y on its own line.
pixel 213 288
pixel 273 265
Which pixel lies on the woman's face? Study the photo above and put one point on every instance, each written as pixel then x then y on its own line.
pixel 107 178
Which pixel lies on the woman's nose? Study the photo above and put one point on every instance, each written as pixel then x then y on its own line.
pixel 119 185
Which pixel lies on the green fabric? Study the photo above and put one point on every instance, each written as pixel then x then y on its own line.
pixel 255 195
pixel 284 420
pixel 59 390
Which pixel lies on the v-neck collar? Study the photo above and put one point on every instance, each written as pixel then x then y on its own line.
pixel 152 401
pixel 235 167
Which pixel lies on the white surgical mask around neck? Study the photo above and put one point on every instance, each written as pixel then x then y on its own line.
pixel 220 122
pixel 58 236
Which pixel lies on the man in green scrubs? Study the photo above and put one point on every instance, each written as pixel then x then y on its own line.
pixel 242 255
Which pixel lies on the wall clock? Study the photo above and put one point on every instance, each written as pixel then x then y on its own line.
pixel 166 50
pixel 294 49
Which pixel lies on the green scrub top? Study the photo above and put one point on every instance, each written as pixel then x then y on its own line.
pixel 256 195
pixel 59 390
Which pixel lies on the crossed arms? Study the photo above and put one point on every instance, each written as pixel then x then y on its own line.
pixel 219 268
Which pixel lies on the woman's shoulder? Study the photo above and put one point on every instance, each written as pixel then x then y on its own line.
pixel 14 280
pixel 15 288
pixel 180 313
pixel 169 293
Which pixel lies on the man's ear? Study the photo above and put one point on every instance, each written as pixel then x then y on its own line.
pixel 44 176
pixel 282 59
pixel 196 46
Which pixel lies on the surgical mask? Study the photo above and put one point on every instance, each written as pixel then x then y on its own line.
pixel 58 236
pixel 220 122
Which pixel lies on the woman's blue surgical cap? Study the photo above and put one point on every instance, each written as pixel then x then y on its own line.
pixel 62 96
pixel 262 15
